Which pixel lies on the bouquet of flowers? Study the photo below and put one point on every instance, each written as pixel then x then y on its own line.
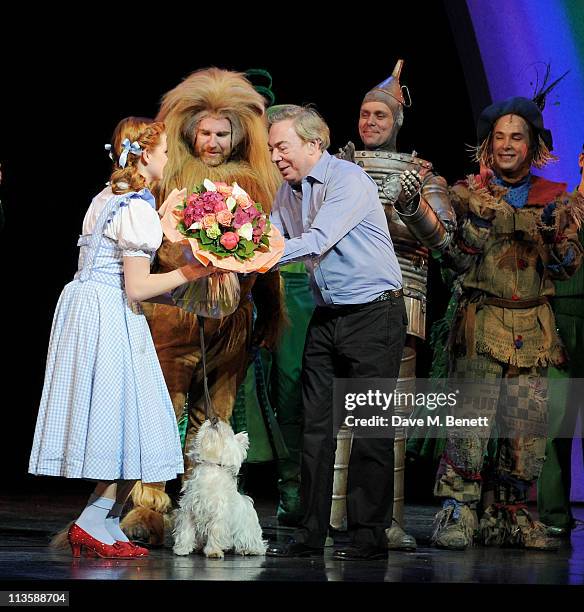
pixel 225 220
pixel 226 228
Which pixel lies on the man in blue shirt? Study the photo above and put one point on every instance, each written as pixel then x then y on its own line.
pixel 330 214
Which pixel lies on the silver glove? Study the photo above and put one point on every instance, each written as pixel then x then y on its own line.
pixel 411 183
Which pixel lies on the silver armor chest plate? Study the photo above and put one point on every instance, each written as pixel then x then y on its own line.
pixel 384 167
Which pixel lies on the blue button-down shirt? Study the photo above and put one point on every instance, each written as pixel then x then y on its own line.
pixel 338 227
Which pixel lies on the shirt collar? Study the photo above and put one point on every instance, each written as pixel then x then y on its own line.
pixel 318 172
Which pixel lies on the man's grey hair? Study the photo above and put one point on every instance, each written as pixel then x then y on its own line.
pixel 308 124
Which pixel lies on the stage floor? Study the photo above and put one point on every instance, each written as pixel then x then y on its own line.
pixel 26 524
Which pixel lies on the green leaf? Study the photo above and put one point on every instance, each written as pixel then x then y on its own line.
pixel 203 238
pixel 181 227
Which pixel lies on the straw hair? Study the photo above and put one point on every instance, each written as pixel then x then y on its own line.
pixel 540 154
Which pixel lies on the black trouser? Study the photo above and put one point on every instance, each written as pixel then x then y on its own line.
pixel 364 341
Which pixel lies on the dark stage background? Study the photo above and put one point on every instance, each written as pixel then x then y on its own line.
pixel 62 98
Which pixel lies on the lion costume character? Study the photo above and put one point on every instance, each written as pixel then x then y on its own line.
pixel 218 95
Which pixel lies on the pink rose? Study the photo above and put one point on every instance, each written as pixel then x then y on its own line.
pixel 244 201
pixel 219 206
pixel 229 240
pixel 224 189
pixel 224 217
pixel 209 221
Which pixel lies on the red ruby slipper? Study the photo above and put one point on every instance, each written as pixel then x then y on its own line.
pixel 133 550
pixel 79 539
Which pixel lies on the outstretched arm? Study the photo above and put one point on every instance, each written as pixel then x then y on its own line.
pixel 346 204
pixel 141 285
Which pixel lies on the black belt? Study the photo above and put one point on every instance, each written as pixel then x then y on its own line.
pixel 387 295
pixel 348 308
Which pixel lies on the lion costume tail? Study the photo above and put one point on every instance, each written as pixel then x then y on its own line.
pixel 149 519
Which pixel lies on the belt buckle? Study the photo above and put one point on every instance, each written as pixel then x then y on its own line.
pixel 388 294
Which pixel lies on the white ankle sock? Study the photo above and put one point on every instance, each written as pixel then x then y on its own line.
pixel 93 517
pixel 112 523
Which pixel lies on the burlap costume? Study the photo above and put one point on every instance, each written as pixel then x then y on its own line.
pixel 504 326
pixel 223 94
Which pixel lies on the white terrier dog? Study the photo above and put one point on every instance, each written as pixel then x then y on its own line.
pixel 212 515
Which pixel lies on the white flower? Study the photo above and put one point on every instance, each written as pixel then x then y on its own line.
pixel 231 203
pixel 209 185
pixel 238 191
pixel 246 231
pixel 196 225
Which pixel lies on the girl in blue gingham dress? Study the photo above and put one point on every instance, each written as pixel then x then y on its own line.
pixel 105 411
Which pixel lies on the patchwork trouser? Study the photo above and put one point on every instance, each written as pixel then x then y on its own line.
pixel 517 403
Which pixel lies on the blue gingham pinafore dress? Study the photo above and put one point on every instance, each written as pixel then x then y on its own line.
pixel 105 412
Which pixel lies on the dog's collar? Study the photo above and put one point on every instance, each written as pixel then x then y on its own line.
pixel 228 468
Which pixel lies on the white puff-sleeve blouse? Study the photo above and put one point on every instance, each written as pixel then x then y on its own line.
pixel 135 227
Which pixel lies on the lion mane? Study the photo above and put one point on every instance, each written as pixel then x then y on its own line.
pixel 223 93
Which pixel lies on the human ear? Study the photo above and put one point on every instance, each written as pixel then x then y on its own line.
pixel 146 157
